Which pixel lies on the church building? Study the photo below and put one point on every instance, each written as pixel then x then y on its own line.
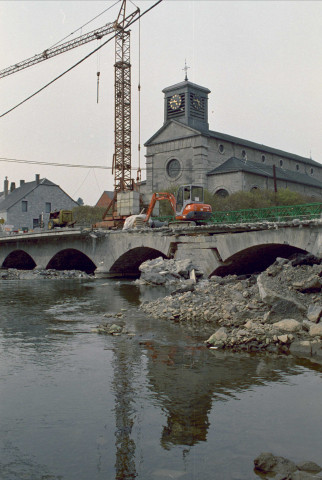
pixel 184 151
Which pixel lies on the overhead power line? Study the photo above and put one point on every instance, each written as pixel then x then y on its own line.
pixel 53 164
pixel 98 167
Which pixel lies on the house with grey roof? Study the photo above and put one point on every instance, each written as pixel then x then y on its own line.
pixel 22 208
pixel 184 151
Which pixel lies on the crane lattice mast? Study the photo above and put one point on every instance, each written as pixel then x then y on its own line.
pixel 122 98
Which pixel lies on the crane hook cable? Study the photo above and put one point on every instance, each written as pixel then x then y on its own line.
pixel 77 63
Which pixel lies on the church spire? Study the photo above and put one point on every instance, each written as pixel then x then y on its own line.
pixel 186 70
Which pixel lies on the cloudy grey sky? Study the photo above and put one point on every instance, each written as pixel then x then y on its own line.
pixel 261 60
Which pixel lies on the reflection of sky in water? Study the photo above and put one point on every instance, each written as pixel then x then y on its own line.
pixel 151 406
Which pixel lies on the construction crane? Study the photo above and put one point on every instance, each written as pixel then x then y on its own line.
pixel 122 95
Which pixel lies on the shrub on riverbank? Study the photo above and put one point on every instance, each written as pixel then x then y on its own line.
pixel 244 200
pixel 86 215
pixel 256 199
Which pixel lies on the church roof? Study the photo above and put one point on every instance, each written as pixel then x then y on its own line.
pixel 184 84
pixel 234 164
pixel 193 132
pixel 21 192
pixel 261 147
pixel 235 140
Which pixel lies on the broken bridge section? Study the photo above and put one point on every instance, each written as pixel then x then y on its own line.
pixel 249 249
pixel 228 249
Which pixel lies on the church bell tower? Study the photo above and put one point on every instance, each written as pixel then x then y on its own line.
pixel 187 103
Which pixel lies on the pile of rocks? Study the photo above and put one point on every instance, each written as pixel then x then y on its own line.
pixel 168 272
pixel 14 274
pixel 108 329
pixel 279 310
pixel 281 468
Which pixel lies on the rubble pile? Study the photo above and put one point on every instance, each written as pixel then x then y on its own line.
pixel 168 272
pixel 14 274
pixel 279 310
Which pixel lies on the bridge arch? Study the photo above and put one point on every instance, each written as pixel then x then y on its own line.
pixel 71 259
pixel 19 259
pixel 128 263
pixel 255 259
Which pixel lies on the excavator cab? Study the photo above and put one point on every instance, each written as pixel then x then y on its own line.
pixel 188 194
pixel 190 204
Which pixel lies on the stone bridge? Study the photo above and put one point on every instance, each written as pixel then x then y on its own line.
pixel 216 250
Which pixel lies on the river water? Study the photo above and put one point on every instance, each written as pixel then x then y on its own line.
pixel 153 405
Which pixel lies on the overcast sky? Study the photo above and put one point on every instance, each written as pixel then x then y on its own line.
pixel 261 60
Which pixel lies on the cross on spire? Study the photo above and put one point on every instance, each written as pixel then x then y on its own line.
pixel 186 70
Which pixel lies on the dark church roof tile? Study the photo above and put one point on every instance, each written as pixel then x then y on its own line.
pixel 261 147
pixel 235 164
pixel 184 84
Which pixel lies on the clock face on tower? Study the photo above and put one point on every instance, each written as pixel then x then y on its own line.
pixel 197 106
pixel 197 102
pixel 175 102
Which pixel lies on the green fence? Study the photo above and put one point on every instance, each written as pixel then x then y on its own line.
pixel 269 214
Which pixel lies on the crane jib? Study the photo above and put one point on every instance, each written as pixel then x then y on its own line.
pixel 64 47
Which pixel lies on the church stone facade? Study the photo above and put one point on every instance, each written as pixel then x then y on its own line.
pixel 184 151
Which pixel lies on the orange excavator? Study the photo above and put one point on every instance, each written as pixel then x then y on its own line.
pixel 189 205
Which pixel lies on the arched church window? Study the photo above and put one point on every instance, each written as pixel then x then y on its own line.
pixel 221 148
pixel 244 155
pixel 312 171
pixel 222 193
pixel 263 158
pixel 297 167
pixel 281 163
pixel 173 168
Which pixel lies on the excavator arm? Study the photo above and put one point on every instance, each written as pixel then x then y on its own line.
pixel 156 197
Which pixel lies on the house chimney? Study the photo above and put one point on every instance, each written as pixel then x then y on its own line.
pixel 12 186
pixel 21 182
pixel 37 178
pixel 6 187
